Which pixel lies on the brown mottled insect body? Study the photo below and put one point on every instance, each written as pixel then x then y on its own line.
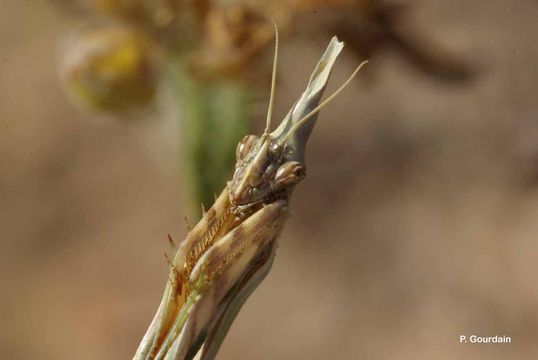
pixel 231 249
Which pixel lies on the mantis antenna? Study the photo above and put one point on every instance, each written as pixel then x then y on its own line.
pixel 273 82
pixel 324 102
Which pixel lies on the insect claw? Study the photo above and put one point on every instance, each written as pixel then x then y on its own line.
pixel 171 242
pixel 167 258
pixel 203 209
pixel 187 224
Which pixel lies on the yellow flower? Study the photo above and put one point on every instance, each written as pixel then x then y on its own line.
pixel 110 68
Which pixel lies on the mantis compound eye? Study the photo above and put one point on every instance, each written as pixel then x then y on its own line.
pixel 244 146
pixel 290 173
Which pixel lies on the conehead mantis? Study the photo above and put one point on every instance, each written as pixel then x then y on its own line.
pixel 231 249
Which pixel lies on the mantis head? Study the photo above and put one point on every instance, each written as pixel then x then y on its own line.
pixel 268 167
pixel 266 170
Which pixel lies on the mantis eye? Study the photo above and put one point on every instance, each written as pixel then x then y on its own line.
pixel 290 173
pixel 244 146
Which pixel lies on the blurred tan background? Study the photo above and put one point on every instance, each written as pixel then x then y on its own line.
pixel 417 223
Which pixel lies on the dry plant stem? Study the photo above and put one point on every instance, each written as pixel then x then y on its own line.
pixel 231 249
pixel 377 25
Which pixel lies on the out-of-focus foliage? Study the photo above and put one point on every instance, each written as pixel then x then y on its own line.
pixel 219 48
pixel 225 38
pixel 417 222
pixel 155 12
pixel 111 68
pixel 218 113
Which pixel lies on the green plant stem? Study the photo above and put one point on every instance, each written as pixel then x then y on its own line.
pixel 215 114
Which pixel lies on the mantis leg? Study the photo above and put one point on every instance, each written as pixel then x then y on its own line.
pixel 230 270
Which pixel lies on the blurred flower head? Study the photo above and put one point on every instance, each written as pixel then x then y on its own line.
pixel 233 36
pixel 154 12
pixel 110 68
